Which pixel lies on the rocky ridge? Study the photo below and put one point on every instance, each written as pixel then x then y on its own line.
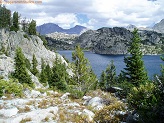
pixel 30 44
pixel 61 41
pixel 159 27
pixel 109 40
pixel 48 28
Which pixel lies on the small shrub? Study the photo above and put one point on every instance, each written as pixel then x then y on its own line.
pixel 144 101
pixel 11 87
pixel 75 94
pixel 109 114
pixel 26 36
pixel 46 119
pixel 25 109
pixel 45 42
pixel 25 120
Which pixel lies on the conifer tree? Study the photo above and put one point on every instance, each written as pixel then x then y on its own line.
pixel 82 71
pixel 20 68
pixel 48 72
pixel 110 75
pixel 43 77
pixel 32 28
pixel 15 25
pixel 34 69
pixel 59 75
pixel 135 71
pixel 102 80
pixel 5 15
pixel 28 64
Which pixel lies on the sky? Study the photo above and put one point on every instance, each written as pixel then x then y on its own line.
pixel 93 14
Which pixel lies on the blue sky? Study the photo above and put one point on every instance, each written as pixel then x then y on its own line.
pixel 93 14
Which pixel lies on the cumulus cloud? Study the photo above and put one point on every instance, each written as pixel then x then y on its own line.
pixel 99 13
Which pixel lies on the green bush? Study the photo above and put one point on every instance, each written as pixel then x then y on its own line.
pixel 126 86
pixel 75 93
pixel 26 36
pixel 45 43
pixel 11 87
pixel 110 114
pixel 144 101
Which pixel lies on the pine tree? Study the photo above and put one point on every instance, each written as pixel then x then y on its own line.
pixel 32 28
pixel 102 82
pixel 5 15
pixel 43 77
pixel 34 69
pixel 48 72
pixel 82 71
pixel 28 64
pixel 110 75
pixel 20 68
pixel 135 71
pixel 59 75
pixel 15 25
pixel 162 71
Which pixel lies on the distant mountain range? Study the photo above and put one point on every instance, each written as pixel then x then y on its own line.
pixel 51 28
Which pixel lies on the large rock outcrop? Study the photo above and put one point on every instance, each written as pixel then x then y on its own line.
pixel 116 41
pixel 30 44
pixel 159 26
pixel 109 40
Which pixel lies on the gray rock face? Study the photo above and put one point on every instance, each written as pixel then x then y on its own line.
pixel 111 41
pixel 159 26
pixel 61 41
pixel 31 45
pixel 107 40
pixel 116 40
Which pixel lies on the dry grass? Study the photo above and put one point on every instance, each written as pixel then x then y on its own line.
pixel 25 120
pixel 46 119
pixel 44 104
pixel 32 102
pixel 1 107
pixel 25 109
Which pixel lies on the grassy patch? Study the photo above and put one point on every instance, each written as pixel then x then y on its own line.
pixel 25 120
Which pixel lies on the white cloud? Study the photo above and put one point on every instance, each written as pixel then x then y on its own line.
pixel 65 20
pixel 100 13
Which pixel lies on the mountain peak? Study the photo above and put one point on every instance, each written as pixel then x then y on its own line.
pixel 131 27
pixel 48 28
pixel 159 26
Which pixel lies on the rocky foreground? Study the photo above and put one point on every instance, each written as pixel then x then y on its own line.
pixel 54 107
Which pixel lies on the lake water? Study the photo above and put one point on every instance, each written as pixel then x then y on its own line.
pixel 100 62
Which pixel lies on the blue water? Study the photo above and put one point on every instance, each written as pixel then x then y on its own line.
pixel 100 62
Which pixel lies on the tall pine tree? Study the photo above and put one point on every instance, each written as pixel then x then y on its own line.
pixel 5 15
pixel 135 71
pixel 43 77
pixel 20 68
pixel 32 28
pixel 83 77
pixel 15 25
pixel 59 75
pixel 34 69
pixel 108 77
